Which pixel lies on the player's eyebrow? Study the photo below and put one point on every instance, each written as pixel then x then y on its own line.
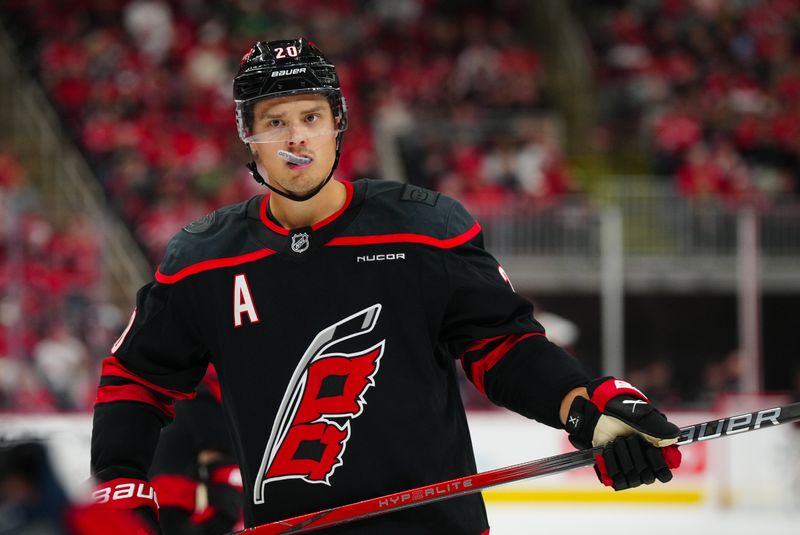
pixel 313 110
pixel 268 115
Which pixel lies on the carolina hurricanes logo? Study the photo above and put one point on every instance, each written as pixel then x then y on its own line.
pixel 326 392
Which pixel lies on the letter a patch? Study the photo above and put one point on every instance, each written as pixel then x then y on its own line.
pixel 242 301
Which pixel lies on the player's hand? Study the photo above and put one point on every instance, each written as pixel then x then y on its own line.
pixel 133 495
pixel 638 439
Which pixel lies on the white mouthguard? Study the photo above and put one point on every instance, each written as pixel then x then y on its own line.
pixel 293 158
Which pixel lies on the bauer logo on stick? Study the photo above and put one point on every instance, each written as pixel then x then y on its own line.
pixel 730 426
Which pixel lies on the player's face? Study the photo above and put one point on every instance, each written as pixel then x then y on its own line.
pixel 302 125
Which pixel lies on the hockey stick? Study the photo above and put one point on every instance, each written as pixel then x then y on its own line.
pixel 461 486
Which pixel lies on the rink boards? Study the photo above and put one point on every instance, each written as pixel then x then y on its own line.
pixel 759 470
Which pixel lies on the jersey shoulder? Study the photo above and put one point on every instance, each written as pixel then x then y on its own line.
pixel 394 207
pixel 218 234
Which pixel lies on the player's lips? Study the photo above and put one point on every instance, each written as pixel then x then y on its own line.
pixel 297 167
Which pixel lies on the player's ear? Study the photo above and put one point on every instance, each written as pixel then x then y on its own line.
pixel 252 150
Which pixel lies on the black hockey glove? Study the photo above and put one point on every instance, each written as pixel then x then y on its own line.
pixel 638 439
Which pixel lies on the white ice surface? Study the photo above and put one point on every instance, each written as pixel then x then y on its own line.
pixel 605 519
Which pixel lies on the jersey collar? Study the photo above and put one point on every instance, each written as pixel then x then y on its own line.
pixel 301 243
pixel 277 229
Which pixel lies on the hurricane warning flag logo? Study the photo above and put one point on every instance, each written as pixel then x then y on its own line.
pixel 326 392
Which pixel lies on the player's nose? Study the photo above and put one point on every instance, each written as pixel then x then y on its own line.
pixel 298 135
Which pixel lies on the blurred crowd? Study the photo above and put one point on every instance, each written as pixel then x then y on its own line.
pixel 53 328
pixel 711 86
pixel 666 386
pixel 708 91
pixel 145 86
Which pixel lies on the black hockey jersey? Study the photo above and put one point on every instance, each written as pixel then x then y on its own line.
pixel 336 348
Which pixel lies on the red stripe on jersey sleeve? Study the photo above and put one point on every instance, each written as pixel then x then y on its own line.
pixel 477 346
pixel 175 491
pixel 212 383
pixel 482 366
pixel 134 392
pixel 208 265
pixel 447 243
pixel 112 367
pixel 480 344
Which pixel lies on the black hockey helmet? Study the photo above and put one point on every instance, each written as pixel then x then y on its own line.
pixel 283 68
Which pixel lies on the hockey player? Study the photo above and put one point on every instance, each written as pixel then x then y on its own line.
pixel 335 314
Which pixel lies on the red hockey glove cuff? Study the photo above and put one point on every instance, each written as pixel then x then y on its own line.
pixel 616 408
pixel 132 494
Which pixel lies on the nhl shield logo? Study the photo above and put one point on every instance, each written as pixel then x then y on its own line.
pixel 300 242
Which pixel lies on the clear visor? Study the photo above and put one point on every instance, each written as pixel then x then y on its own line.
pixel 278 120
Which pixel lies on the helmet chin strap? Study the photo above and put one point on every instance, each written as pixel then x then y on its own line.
pixel 260 179
pixel 253 168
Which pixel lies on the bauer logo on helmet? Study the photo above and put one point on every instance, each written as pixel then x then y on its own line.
pixel 288 72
